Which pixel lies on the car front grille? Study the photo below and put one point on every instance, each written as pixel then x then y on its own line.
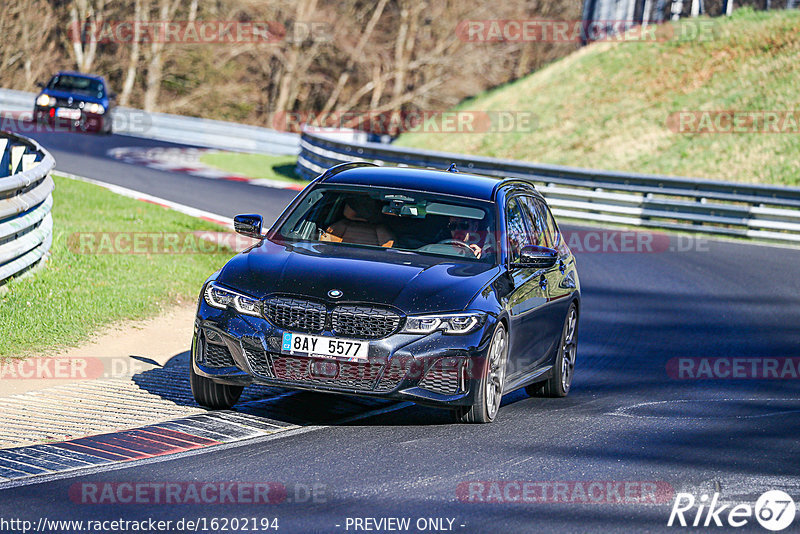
pixel 64 103
pixel 391 378
pixel 365 322
pixel 346 320
pixel 351 375
pixel 442 378
pixel 217 356
pixel 295 314
pixel 259 362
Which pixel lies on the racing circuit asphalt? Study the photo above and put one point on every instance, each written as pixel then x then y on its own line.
pixel 626 418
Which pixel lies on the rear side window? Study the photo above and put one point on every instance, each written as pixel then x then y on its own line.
pixel 553 235
pixel 538 230
pixel 516 230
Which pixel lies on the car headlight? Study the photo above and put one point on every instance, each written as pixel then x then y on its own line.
pixel 95 108
pixel 448 323
pixel 45 100
pixel 220 297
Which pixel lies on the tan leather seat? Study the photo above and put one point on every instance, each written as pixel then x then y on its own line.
pixel 358 233
pixel 357 230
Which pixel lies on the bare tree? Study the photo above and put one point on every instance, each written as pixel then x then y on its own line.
pixel 385 55
pixel 354 56
pixel 166 13
pixel 133 59
pixel 28 52
pixel 287 88
pixel 85 19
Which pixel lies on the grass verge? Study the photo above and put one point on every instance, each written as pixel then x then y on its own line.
pixel 607 105
pixel 77 293
pixel 255 165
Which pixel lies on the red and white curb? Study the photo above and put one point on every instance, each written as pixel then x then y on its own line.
pixel 187 161
pixel 21 464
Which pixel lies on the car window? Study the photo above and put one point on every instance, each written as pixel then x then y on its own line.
pixel 77 84
pixel 536 225
pixel 551 227
pixel 415 221
pixel 516 230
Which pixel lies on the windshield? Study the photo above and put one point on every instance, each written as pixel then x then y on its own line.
pixel 403 220
pixel 77 84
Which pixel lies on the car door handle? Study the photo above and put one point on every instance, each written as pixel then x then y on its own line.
pixel 543 282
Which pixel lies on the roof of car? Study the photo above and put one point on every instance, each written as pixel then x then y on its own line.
pixel 433 181
pixel 80 74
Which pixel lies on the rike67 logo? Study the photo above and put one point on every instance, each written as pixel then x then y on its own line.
pixel 774 510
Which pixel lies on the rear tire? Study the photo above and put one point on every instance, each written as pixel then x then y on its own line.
pixel 211 395
pixel 564 368
pixel 490 389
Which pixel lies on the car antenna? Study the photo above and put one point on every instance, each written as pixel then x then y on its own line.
pixel 452 168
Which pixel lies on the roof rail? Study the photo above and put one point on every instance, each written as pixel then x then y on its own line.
pixel 336 169
pixel 511 182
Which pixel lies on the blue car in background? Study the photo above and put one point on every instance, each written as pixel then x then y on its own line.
pixel 76 102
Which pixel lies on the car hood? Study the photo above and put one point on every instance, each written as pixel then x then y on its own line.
pixel 415 283
pixel 76 95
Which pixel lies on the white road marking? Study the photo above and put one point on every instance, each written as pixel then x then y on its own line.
pixel 624 411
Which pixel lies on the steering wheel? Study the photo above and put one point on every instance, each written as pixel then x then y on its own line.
pixel 458 243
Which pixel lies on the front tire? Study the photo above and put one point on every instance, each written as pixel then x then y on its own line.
pixel 490 389
pixel 211 395
pixel 564 368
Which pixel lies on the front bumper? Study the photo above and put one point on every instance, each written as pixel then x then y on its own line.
pixel 88 122
pixel 435 369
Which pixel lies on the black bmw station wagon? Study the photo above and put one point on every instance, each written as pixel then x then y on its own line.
pixel 442 288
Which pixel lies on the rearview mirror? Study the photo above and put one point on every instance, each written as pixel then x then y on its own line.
pixel 248 225
pixel 535 257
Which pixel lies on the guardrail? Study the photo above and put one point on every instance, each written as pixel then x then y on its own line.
pixel 667 202
pixel 26 226
pixel 178 129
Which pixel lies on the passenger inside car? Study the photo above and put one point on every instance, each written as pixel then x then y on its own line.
pixel 359 224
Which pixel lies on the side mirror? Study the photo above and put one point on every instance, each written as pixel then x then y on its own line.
pixel 40 84
pixel 248 225
pixel 112 95
pixel 535 257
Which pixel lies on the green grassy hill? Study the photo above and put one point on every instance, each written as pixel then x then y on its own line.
pixel 607 105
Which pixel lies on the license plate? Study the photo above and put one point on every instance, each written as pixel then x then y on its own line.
pixel 68 113
pixel 325 347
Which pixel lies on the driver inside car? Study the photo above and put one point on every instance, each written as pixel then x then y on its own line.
pixel 359 224
pixel 469 232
